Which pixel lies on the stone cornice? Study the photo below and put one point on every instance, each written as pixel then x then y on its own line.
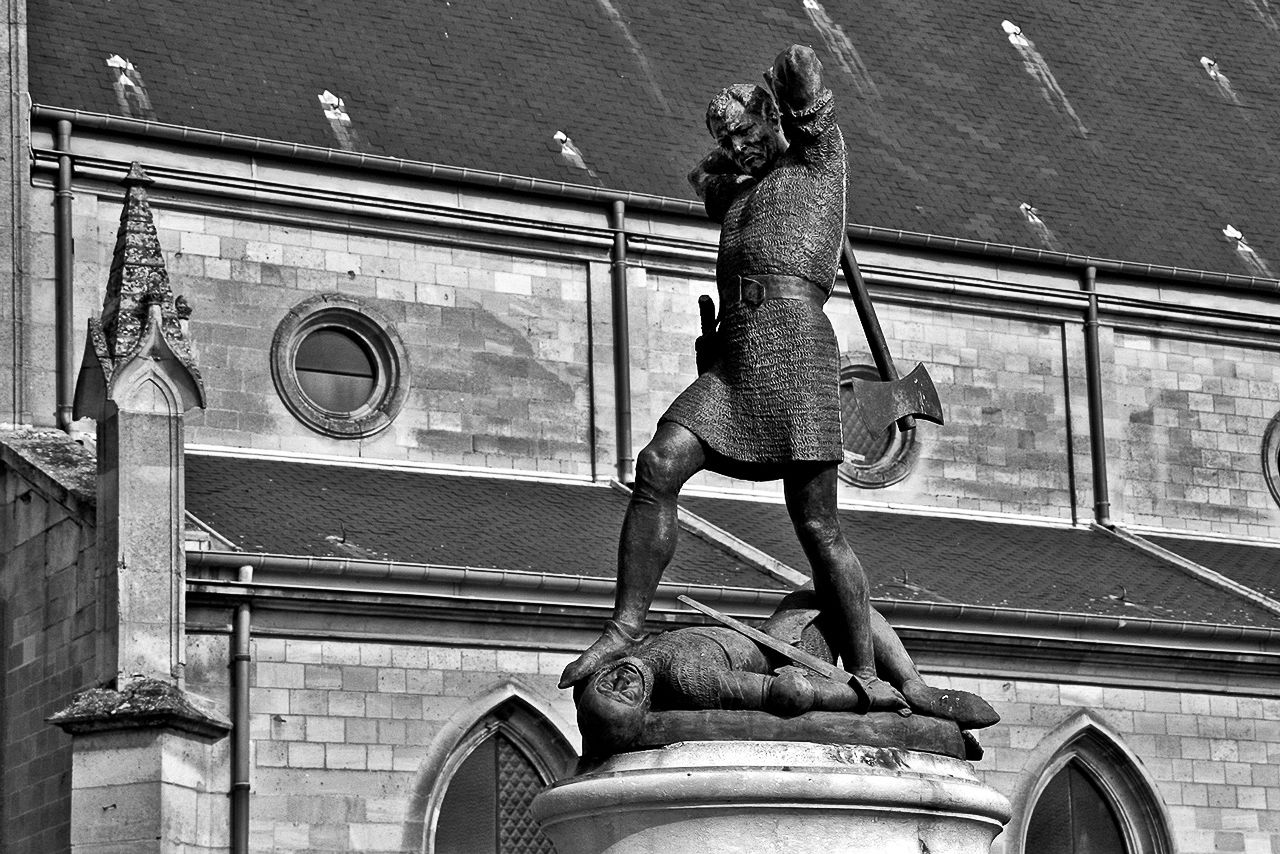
pixel 142 704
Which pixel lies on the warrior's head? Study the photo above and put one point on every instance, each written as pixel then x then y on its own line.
pixel 612 705
pixel 744 120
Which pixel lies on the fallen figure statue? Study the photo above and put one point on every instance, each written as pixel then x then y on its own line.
pixel 718 668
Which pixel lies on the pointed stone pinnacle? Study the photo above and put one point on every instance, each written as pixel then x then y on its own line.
pixel 141 322
pixel 137 176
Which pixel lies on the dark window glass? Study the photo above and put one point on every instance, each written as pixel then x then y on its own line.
pixel 335 370
pixel 486 807
pixel 468 816
pixel 1074 817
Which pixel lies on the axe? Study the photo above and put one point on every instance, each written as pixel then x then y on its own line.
pixel 894 398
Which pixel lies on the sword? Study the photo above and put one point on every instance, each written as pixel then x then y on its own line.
pixel 799 656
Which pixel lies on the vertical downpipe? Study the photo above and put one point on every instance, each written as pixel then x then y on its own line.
pixel 1093 381
pixel 63 277
pixel 621 343
pixel 240 722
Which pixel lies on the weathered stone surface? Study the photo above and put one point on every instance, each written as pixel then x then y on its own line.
pixel 875 730
pixel 142 328
pixel 142 704
pixel 773 798
pixel 65 467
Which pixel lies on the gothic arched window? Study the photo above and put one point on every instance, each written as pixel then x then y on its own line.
pixel 1072 816
pixel 1090 797
pixel 483 790
pixel 486 805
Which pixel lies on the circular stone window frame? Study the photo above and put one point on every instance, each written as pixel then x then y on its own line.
pixel 1271 456
pixel 898 460
pixel 381 341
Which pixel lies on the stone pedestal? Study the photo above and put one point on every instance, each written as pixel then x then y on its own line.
pixel 146 791
pixel 148 772
pixel 773 798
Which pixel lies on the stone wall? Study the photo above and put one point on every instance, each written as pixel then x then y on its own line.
pixel 14 182
pixel 343 731
pixel 49 623
pixel 511 367
pixel 1210 757
pixel 1192 416
pixel 345 734
pixel 497 344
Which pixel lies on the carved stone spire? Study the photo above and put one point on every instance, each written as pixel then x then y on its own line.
pixel 140 317
pixel 137 380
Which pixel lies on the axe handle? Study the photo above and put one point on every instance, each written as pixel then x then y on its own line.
pixel 870 323
pixel 707 314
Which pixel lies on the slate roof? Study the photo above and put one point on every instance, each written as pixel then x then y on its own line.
pixel 303 508
pixel 935 559
pixel 1255 566
pixel 309 509
pixel 1101 115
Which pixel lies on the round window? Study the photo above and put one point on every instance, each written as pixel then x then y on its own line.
pixel 886 457
pixel 335 369
pixel 339 366
pixel 1271 456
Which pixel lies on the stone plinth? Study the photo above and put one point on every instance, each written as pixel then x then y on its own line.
pixel 147 791
pixel 148 775
pixel 773 798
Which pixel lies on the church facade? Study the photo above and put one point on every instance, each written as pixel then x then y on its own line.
pixel 427 336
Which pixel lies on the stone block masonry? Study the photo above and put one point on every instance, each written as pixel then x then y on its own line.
pixel 510 367
pixel 48 626
pixel 342 730
pixel 345 734
pixel 1209 758
pixel 1192 416
pixel 497 344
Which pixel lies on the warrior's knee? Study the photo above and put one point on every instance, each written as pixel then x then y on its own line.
pixel 820 532
pixel 658 470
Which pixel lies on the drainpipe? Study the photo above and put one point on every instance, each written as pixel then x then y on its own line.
pixel 621 342
pixel 240 722
pixel 63 273
pixel 1093 382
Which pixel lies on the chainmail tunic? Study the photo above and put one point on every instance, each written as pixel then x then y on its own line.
pixel 689 663
pixel 773 397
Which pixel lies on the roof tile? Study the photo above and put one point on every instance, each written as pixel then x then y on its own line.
pixel 954 129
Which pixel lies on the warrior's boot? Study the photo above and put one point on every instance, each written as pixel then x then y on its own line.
pixel 613 643
pixel 968 710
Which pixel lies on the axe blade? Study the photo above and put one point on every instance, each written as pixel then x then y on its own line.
pixel 879 403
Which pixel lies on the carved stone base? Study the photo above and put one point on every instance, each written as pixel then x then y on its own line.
pixel 147 773
pixel 773 798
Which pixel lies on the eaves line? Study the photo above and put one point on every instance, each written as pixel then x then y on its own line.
pixel 213 569
pixel 641 201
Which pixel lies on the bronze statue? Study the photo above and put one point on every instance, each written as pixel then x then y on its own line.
pixel 712 667
pixel 767 406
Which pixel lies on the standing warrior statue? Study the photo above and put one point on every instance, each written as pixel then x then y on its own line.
pixel 767 406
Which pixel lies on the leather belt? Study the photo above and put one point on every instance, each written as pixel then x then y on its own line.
pixel 754 290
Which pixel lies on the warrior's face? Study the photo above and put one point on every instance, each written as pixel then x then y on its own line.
pixel 752 140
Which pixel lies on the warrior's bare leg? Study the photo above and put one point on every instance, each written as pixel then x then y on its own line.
pixel 837 574
pixel 647 544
